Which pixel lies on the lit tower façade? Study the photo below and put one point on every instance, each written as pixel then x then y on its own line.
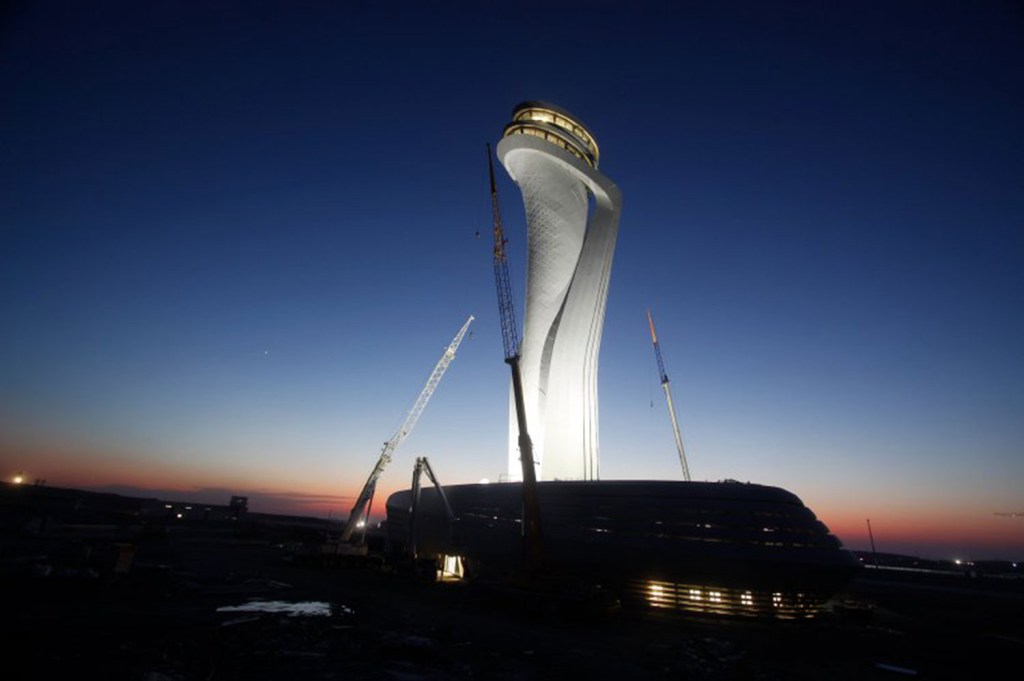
pixel 572 218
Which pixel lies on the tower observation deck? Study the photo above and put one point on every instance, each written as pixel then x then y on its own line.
pixel 553 158
pixel 556 125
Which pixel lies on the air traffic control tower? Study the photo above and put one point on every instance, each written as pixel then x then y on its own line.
pixel 553 158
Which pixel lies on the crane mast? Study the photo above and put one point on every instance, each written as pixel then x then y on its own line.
pixel 506 310
pixel 668 398
pixel 357 518
pixel 510 341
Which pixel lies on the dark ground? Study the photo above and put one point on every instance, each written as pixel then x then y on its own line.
pixel 67 617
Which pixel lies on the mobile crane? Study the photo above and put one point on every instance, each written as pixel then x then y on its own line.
pixel 668 398
pixel 361 510
pixel 532 547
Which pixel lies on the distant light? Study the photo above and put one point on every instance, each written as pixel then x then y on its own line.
pixel 958 561
pixel 484 481
pixel 361 523
pixel 179 515
pixel 18 479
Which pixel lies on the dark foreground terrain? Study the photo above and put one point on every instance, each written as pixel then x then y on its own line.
pixel 71 610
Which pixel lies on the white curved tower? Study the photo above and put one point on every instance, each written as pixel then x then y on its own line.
pixel 553 159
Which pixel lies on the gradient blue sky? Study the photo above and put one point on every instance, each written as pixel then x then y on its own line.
pixel 236 236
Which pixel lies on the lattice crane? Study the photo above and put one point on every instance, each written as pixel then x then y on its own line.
pixel 510 341
pixel 668 398
pixel 360 511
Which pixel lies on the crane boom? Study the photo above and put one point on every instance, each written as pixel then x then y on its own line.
pixel 510 341
pixel 668 399
pixel 506 309
pixel 357 518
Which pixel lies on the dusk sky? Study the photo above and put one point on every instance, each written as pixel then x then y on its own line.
pixel 236 236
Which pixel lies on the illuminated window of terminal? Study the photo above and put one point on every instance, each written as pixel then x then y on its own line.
pixel 450 569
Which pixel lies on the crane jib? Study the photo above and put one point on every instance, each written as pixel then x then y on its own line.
pixel 359 509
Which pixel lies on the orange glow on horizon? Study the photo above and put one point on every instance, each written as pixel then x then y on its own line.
pixel 973 531
pixel 80 466
pixel 921 527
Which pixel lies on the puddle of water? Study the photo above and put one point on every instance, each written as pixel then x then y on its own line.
pixel 293 609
